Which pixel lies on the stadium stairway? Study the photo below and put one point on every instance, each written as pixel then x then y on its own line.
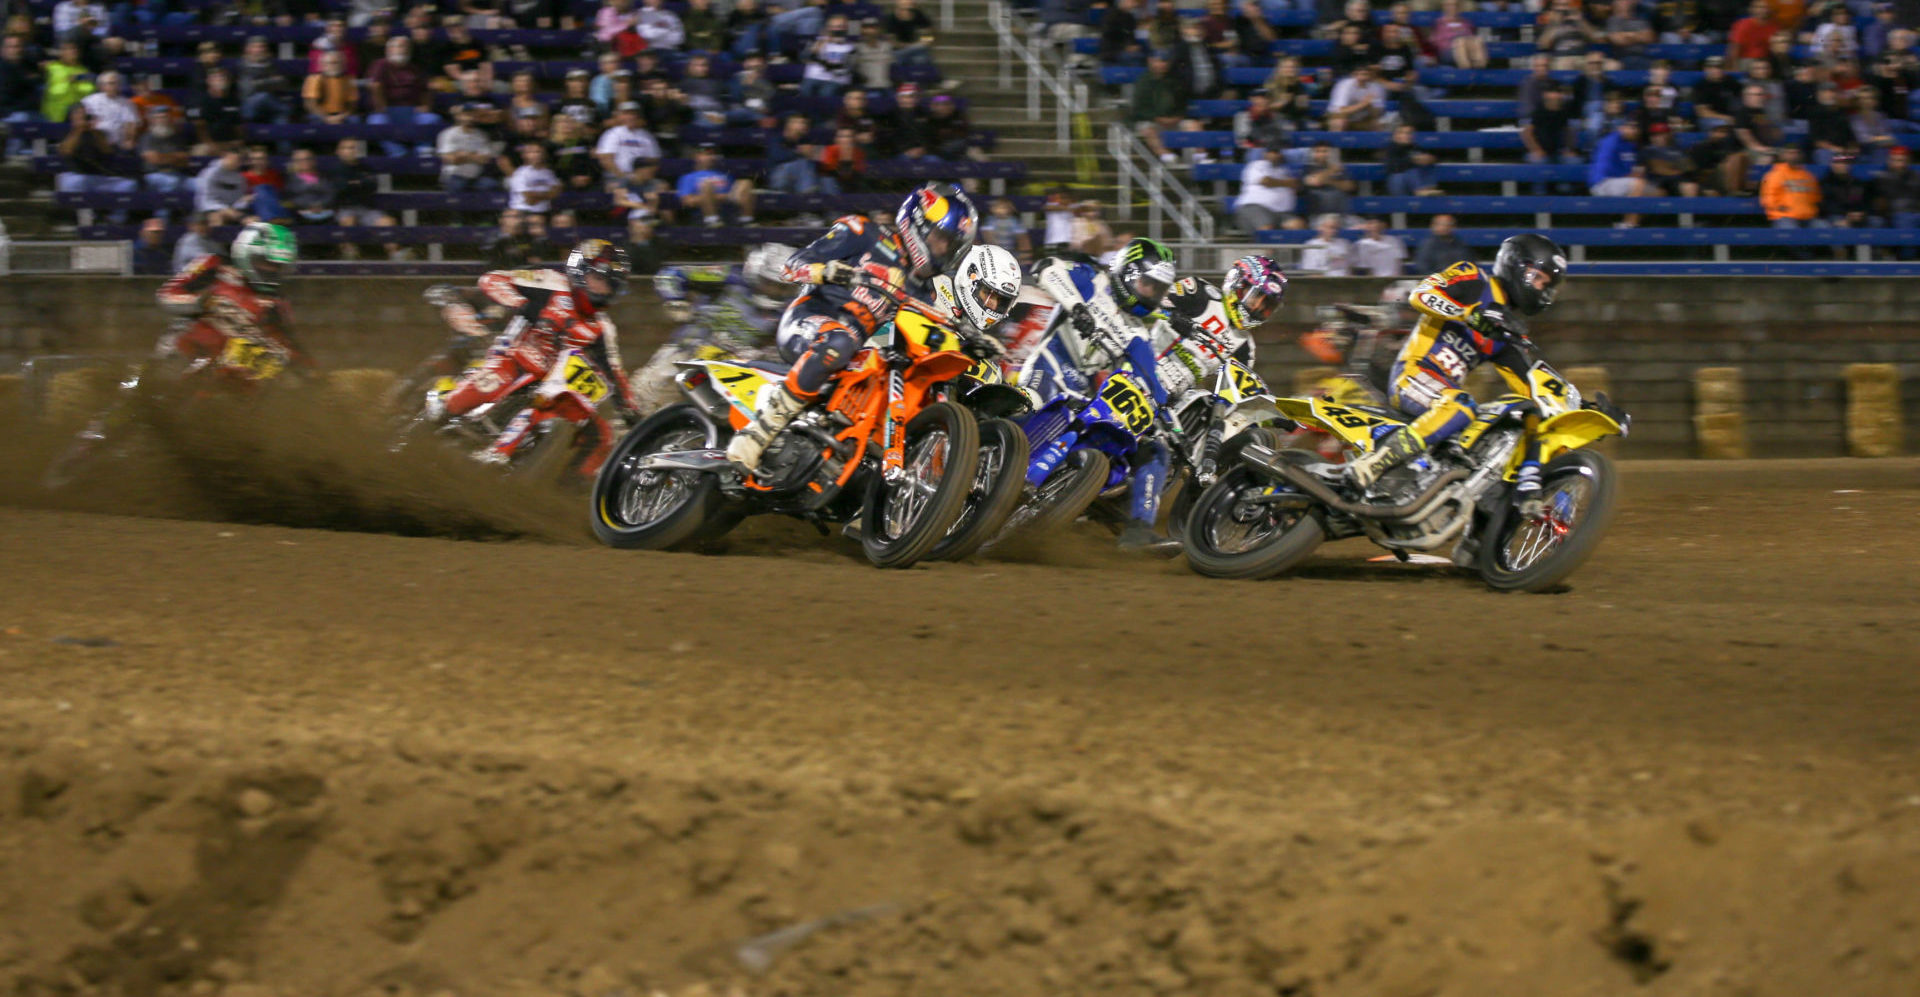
pixel 970 52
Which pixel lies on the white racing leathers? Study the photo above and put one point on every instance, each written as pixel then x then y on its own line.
pixel 1196 338
pixel 1067 354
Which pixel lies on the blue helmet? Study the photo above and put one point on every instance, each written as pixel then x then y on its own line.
pixel 936 226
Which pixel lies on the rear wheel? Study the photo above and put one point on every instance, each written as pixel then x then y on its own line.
pixel 552 456
pixel 1067 492
pixel 906 517
pixel 997 484
pixel 1530 555
pixel 639 509
pixel 1233 533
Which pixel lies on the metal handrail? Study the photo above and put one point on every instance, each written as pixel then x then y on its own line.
pixel 1069 94
pixel 1167 197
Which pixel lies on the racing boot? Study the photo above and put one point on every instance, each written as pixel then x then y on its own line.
pixel 776 406
pixel 1388 452
pixel 1141 538
pixel 1526 491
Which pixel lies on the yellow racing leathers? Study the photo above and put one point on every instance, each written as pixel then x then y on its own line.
pixel 1427 380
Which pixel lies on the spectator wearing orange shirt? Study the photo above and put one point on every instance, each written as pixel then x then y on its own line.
pixel 844 162
pixel 331 95
pixel 1789 194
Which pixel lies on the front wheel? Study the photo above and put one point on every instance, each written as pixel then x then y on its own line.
pixel 1236 531
pixel 1066 494
pixel 639 509
pixel 905 517
pixel 1578 490
pixel 997 485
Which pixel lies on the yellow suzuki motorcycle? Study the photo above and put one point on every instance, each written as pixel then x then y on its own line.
pixel 1274 507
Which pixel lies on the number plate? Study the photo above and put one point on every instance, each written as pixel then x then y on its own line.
pixel 1125 397
pixel 581 377
pixel 1246 382
pixel 256 358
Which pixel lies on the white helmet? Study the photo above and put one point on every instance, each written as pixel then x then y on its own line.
pixel 764 273
pixel 987 282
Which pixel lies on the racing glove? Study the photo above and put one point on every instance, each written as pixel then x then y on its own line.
pixel 1496 321
pixel 1605 406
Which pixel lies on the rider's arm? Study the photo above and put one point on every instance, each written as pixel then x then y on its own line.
pixel 828 259
pixel 184 292
pixel 1451 294
pixel 1140 355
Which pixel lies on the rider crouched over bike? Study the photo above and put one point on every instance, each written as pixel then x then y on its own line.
pixel 551 312
pixel 1106 325
pixel 1207 325
pixel 718 312
pixel 237 296
pixel 858 280
pixel 1466 317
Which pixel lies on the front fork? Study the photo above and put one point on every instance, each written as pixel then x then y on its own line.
pixel 894 456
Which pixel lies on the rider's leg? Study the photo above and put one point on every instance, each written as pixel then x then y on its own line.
pixel 833 346
pixel 1441 408
pixel 482 385
pixel 1149 481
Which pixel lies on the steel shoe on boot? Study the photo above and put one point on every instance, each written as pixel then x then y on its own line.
pixel 775 407
pixel 1140 537
pixel 1390 452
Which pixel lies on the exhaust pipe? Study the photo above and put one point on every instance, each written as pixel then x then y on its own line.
pixel 1266 460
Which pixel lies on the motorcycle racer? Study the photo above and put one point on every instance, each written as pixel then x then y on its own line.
pixel 1466 317
pixel 934 228
pixel 235 295
pixel 550 312
pixel 721 311
pixel 985 285
pixel 1207 325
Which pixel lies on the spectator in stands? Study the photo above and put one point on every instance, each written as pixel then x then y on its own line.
pixel 1549 132
pixel 1799 94
pixel 750 95
pixel 1667 168
pixel 664 112
pixel 1717 94
pixel 1091 233
pixel 1378 253
pixel 573 159
pixel 1291 94
pixel 616 27
pixel 749 29
pixel 643 253
pixel 113 114
pixel 330 95
pixel 20 82
pixel 195 244
pixel 1566 35
pixel 1845 199
pixel 1327 254
pixel 1396 55
pixel 216 115
pixel 790 29
pixel 207 58
pixel 1538 78
pixel 510 248
pixel 601 89
pixel 1456 40
pixel 308 194
pixel 1759 134
pixel 1356 14
pixel 165 154
pixel 873 57
pixel 334 39
pixel 1712 159
pixel 476 95
pixel 1616 170
pixel 1655 108
pixel 533 186
pixel 220 191
pixel 397 92
pixel 907 128
pixel 150 254
pixel 1441 248
pixel 1258 126
pixel 575 102
pixel 625 142
pixel 1351 50
pixel 529 128
pixel 1120 35
pixel 660 27
pixel 1837 38
pixel 952 133
pixel 1896 193
pixel 1789 194
pixel 464 152
pixel 1629 34
pixel 853 114
pixel 87 160
pixel 1750 35
pixel 1058 217
pixel 563 233
pixel 712 192
pixel 362 13
pixel 1196 66
pixel 844 164
pixel 354 188
pixel 260 170
pixel 72 15
pixel 1158 104
pixel 639 195
pixel 371 46
pixel 705 96
pixel 705 31
pixel 263 87
pixel 146 99
pixel 1268 194
pixel 1324 184
pixel 1410 169
pixel 912 33
pixel 1358 103
pixel 829 61
pixel 1003 228
pixel 1872 134
pixel 791 158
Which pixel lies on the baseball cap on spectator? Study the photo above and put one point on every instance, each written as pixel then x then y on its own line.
pixel 579 74
pixel 526 112
pixel 1657 128
pixel 906 88
pixel 629 105
pixel 1715 60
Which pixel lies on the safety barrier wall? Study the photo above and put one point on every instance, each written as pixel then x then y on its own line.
pixel 1791 340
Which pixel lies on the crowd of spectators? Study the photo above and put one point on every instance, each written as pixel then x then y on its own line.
pixel 1792 88
pixel 375 62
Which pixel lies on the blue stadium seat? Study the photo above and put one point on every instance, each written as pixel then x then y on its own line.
pixel 1557 205
pixel 1643 237
pixel 1446 172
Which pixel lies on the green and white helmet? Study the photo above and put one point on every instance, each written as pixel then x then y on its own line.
pixel 265 253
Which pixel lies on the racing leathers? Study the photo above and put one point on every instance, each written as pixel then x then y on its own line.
pixel 824 268
pixel 218 307
pixel 1090 333
pixel 1460 312
pixel 727 323
pixel 1197 337
pixel 546 319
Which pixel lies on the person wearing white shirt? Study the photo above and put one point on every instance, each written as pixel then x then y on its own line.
pixel 1358 103
pixel 67 15
pixel 659 26
pixel 1267 193
pixel 1378 254
pixel 115 115
pixel 625 142
pixel 1326 253
pixel 532 186
pixel 1838 38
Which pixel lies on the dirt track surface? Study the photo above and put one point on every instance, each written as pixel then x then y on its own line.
pixel 254 760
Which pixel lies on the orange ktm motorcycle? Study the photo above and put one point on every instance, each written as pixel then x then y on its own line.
pixel 877 444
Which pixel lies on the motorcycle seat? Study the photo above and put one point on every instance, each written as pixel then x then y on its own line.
pixel 770 366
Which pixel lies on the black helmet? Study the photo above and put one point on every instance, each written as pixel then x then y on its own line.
pixel 597 258
pixel 1515 268
pixel 1142 273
